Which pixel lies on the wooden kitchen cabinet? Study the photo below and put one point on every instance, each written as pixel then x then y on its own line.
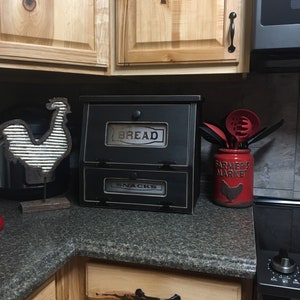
pixel 92 279
pixel 195 36
pixel 46 292
pixel 68 283
pixel 104 281
pixel 71 36
pixel 125 37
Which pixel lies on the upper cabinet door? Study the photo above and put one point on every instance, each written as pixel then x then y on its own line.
pixel 177 31
pixel 55 31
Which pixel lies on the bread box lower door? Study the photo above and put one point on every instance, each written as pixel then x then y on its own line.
pixel 169 191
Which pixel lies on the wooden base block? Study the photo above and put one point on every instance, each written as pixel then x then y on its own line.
pixel 45 205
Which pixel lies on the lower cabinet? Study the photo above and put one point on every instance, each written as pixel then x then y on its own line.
pixel 68 283
pixel 46 291
pixel 89 279
pixel 128 283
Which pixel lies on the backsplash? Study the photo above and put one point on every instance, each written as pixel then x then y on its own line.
pixel 271 96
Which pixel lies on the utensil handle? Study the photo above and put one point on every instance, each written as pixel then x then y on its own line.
pixel 262 134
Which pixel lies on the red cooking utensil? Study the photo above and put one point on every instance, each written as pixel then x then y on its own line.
pixel 241 124
pixel 217 131
pixel 1 222
pixel 243 127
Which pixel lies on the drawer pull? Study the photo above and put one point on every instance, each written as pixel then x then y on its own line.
pixel 29 5
pixel 139 295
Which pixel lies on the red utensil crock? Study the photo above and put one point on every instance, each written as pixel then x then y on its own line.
pixel 233 178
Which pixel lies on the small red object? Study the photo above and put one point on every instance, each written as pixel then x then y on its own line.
pixel 1 222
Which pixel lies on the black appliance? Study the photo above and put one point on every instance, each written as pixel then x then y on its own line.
pixel 277 228
pixel 140 152
pixel 275 35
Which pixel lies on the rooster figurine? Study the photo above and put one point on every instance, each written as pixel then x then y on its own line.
pixel 42 155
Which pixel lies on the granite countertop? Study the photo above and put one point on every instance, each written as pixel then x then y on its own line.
pixel 33 246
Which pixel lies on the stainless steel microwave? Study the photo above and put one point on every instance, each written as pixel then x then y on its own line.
pixel 276 36
pixel 276 24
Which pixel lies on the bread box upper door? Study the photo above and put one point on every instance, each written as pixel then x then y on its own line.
pixel 143 134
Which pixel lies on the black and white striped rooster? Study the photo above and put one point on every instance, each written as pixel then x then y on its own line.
pixel 43 154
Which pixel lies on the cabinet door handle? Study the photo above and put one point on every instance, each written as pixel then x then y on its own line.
pixel 232 16
pixel 139 295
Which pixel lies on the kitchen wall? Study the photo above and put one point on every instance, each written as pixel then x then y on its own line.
pixel 271 96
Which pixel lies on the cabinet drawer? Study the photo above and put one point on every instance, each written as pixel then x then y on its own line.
pixel 114 282
pixel 137 189
pixel 147 134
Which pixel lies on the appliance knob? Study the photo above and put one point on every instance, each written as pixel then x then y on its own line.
pixel 282 263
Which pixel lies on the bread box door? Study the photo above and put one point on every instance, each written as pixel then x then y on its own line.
pixel 138 189
pixel 145 134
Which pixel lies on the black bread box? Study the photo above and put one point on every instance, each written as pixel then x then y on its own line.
pixel 140 152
